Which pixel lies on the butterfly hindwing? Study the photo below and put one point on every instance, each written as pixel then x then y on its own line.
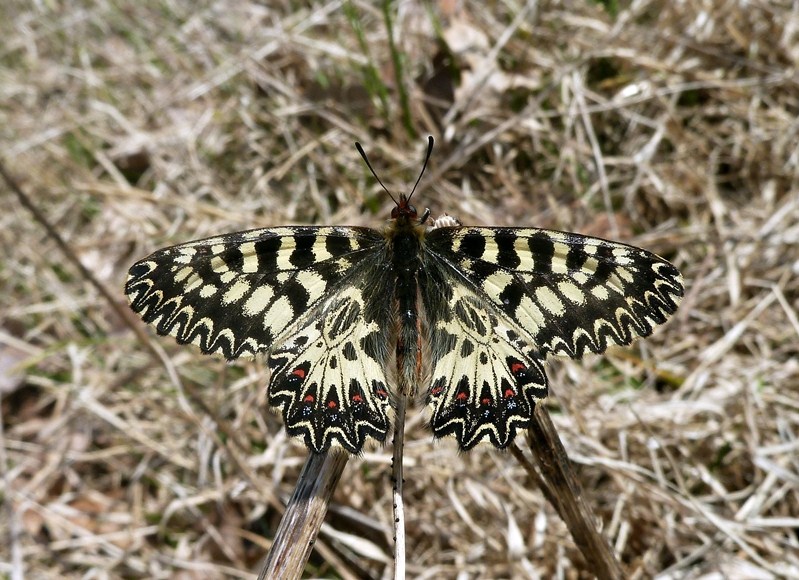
pixel 329 378
pixel 485 380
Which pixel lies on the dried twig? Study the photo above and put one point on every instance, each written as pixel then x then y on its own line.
pixel 397 477
pixel 563 491
pixel 304 515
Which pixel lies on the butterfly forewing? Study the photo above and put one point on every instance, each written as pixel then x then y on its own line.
pixel 306 296
pixel 566 293
pixel 237 294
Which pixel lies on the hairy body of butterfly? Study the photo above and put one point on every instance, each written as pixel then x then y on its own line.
pixel 328 304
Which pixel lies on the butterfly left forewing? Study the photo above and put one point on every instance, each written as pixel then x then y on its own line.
pixel 237 294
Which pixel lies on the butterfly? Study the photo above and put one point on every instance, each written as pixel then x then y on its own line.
pixel 470 313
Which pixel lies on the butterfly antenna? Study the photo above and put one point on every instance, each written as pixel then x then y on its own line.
pixel 430 142
pixel 369 165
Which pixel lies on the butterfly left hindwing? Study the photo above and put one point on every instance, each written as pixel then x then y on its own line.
pixel 329 378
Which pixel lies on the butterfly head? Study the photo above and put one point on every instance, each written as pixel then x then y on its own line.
pixel 403 211
pixel 406 211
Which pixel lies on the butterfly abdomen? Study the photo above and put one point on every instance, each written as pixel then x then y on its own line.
pixel 406 247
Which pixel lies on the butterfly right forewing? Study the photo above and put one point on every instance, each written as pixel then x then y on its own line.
pixel 567 293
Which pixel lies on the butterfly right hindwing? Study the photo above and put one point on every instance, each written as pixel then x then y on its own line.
pixel 485 379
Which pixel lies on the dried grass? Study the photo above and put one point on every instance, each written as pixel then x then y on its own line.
pixel 669 125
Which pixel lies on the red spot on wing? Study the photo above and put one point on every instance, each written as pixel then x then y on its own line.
pixel 357 399
pixel 332 404
pixel 461 396
pixel 517 367
pixel 309 399
pixel 298 372
pixel 509 393
pixel 485 401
